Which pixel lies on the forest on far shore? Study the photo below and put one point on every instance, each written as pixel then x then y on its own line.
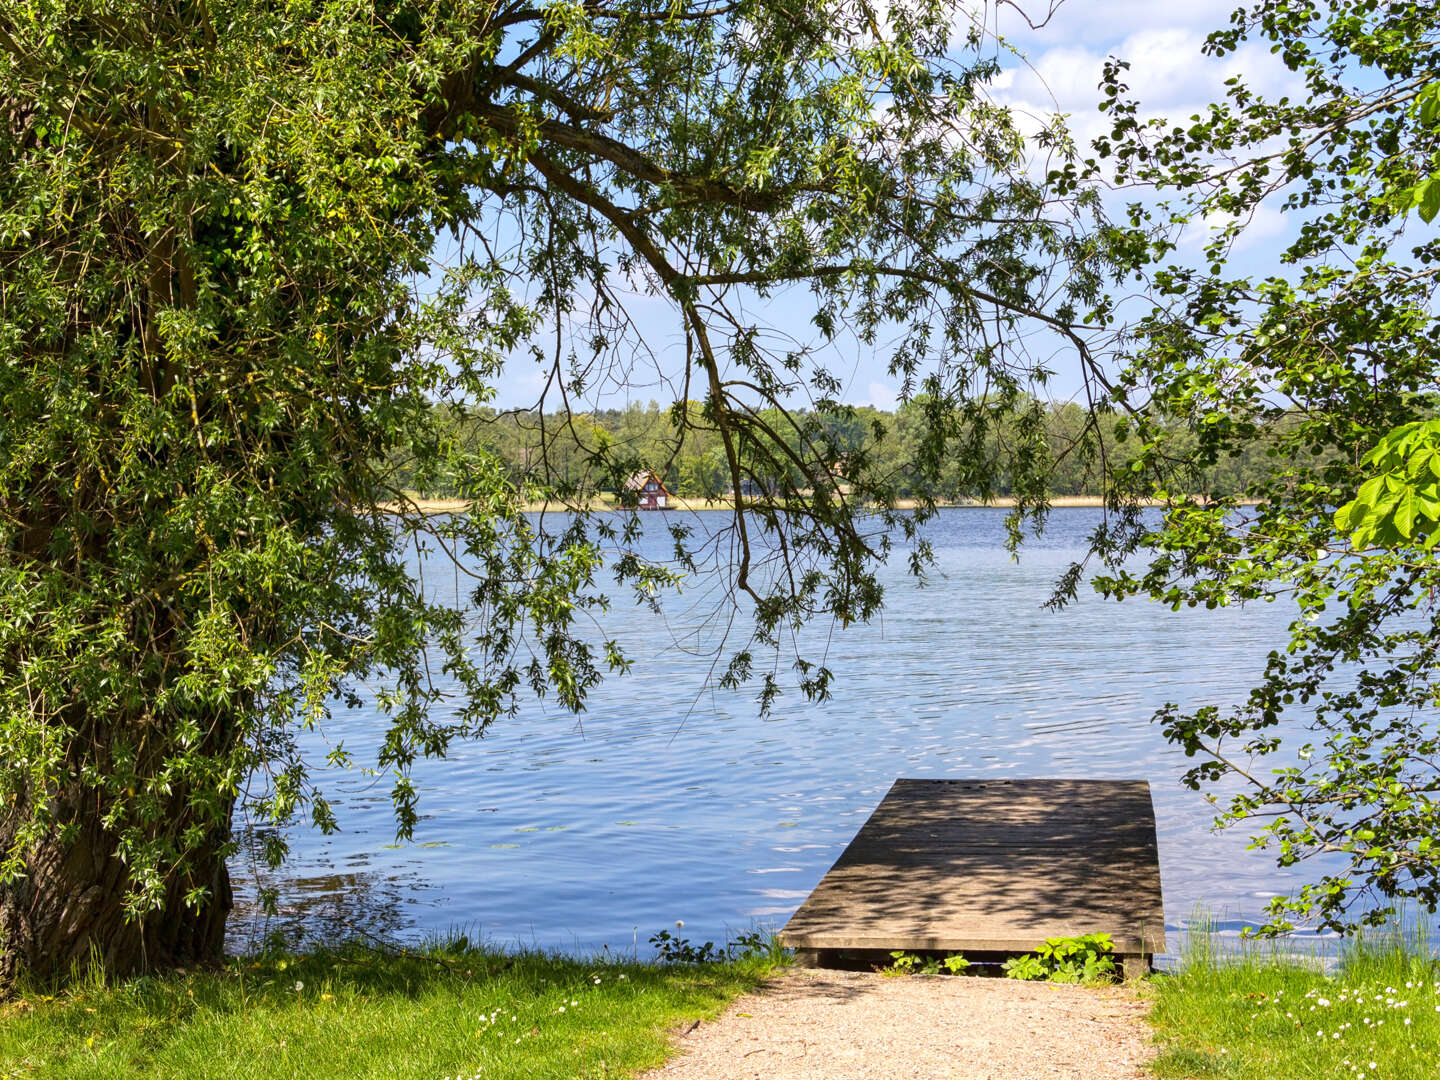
pixel 588 453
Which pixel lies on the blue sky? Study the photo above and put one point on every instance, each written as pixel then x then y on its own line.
pixel 1054 68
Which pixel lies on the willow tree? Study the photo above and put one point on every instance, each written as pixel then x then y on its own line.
pixel 249 248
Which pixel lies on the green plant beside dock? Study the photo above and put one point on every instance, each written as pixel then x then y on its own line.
pixel 1272 1017
pixel 353 1013
pixel 1087 959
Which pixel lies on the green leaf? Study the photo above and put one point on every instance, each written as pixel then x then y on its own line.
pixel 1427 198
pixel 1428 101
pixel 1404 514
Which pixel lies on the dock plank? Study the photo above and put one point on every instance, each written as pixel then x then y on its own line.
pixel 993 866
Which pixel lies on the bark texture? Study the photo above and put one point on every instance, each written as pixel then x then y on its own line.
pixel 70 909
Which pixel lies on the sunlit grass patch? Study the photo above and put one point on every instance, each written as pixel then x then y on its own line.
pixel 353 1013
pixel 1265 1016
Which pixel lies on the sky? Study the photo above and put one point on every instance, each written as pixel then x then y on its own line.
pixel 1054 67
pixel 1062 61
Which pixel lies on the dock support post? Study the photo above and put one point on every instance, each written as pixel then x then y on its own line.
pixel 1135 967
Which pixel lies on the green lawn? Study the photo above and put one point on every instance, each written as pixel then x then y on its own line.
pixel 352 1014
pixel 1262 1017
pixel 478 1015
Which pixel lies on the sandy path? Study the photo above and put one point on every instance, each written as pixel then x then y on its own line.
pixel 841 1025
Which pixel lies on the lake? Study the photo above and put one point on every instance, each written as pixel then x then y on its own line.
pixel 666 801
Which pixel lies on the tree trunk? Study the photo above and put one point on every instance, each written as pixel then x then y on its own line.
pixel 70 907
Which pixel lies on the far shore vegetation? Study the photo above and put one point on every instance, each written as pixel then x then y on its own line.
pixel 586 458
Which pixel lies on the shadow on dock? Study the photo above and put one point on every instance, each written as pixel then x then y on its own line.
pixel 993 867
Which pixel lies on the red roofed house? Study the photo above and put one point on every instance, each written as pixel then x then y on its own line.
pixel 650 493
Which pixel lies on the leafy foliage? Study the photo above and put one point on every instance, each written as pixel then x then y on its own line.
pixel 904 963
pixel 1025 967
pixel 954 963
pixel 1083 959
pixel 672 949
pixel 1425 196
pixel 1399 506
pixel 1334 358
pixel 247 248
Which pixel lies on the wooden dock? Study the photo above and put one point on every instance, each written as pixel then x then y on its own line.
pixel 992 867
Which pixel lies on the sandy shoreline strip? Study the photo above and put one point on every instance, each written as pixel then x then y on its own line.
pixel 458 506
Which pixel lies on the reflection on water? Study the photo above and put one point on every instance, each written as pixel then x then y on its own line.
pixel 666 802
pixel 327 909
pixel 320 904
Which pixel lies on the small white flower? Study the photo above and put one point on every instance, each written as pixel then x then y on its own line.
pixel 679 924
pixel 299 986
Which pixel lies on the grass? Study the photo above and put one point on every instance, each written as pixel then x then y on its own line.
pixel 354 1013
pixel 1264 1016
pixel 463 1014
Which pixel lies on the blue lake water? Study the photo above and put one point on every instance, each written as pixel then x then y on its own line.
pixel 666 801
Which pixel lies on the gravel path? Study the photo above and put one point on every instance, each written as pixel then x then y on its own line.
pixel 844 1025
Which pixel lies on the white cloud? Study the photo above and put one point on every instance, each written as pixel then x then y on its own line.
pixel 1169 76
pixel 879 396
pixel 1100 21
pixel 1264 225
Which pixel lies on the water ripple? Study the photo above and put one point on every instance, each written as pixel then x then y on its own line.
pixel 665 803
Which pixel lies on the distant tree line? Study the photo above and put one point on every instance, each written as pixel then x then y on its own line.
pixel 586 453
